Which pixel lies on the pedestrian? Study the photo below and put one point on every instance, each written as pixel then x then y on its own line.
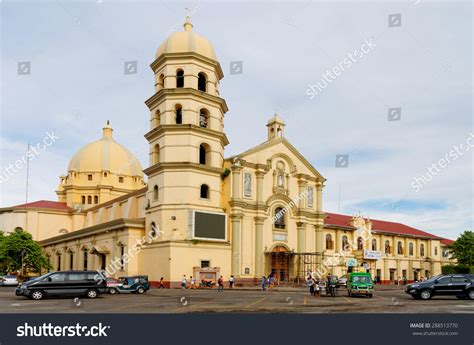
pixel 184 282
pixel 231 282
pixel 271 281
pixel 398 281
pixel 404 280
pixel 317 288
pixel 192 281
pixel 310 283
pixel 162 285
pixel 264 283
pixel 220 284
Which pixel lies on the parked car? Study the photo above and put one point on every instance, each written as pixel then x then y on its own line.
pixel 65 283
pixel 113 284
pixel 9 280
pixel 342 281
pixel 459 285
pixel 360 283
pixel 133 284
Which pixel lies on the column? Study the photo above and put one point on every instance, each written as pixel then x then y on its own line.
pixel 319 196
pixel 259 174
pixel 301 240
pixel 319 244
pixel 259 246
pixel 236 169
pixel 236 220
pixel 301 188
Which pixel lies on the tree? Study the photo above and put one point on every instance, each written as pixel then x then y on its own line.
pixel 19 251
pixel 463 249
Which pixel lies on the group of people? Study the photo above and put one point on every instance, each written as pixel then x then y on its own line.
pixel 314 286
pixel 204 283
pixel 268 282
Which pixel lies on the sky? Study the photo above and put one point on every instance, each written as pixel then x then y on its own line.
pixel 397 98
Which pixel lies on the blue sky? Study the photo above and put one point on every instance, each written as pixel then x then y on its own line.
pixel 77 52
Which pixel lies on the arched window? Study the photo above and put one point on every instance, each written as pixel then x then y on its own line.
pixel 329 242
pixel 374 244
pixel 85 259
pixel 360 243
pixel 435 250
pixel 180 78
pixel 152 229
pixel 422 249
pixel 204 191
pixel 89 199
pixel 157 119
pixel 279 217
pixel 156 154
pixel 96 199
pixel 83 199
pixel 59 262
pixel 204 154
pixel 345 243
pixel 71 260
pixel 155 192
pixel 179 114
pixel 161 81
pixel 399 248
pixel 387 247
pixel 410 249
pixel 122 253
pixel 202 82
pixel 204 118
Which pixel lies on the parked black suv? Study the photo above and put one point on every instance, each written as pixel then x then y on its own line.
pixel 459 285
pixel 66 283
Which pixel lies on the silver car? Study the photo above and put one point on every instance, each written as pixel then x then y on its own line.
pixel 9 280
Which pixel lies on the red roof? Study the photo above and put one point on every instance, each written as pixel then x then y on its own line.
pixel 377 225
pixel 446 241
pixel 55 205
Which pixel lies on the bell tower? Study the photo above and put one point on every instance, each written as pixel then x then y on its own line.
pixel 186 136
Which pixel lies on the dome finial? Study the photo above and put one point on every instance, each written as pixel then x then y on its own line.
pixel 107 130
pixel 187 24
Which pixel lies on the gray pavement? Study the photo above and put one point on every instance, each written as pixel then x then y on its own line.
pixel 280 300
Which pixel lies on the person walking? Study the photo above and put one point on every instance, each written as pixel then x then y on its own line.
pixel 184 282
pixel 162 285
pixel 264 283
pixel 404 280
pixel 271 281
pixel 231 282
pixel 317 288
pixel 192 281
pixel 220 284
pixel 310 283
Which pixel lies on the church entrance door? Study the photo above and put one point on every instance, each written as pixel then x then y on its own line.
pixel 281 259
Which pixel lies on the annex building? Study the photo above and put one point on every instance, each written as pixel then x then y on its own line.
pixel 204 215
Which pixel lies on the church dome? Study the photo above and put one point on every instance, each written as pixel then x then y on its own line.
pixel 106 155
pixel 187 41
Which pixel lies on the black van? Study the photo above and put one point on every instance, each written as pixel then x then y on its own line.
pixel 65 283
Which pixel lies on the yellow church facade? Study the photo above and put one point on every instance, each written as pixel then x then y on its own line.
pixel 204 215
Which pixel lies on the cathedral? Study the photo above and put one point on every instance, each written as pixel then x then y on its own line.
pixel 201 214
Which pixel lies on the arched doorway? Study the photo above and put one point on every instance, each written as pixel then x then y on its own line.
pixel 280 263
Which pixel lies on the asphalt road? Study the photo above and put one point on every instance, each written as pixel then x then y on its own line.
pixel 281 300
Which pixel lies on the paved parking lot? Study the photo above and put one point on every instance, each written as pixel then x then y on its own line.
pixel 281 300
